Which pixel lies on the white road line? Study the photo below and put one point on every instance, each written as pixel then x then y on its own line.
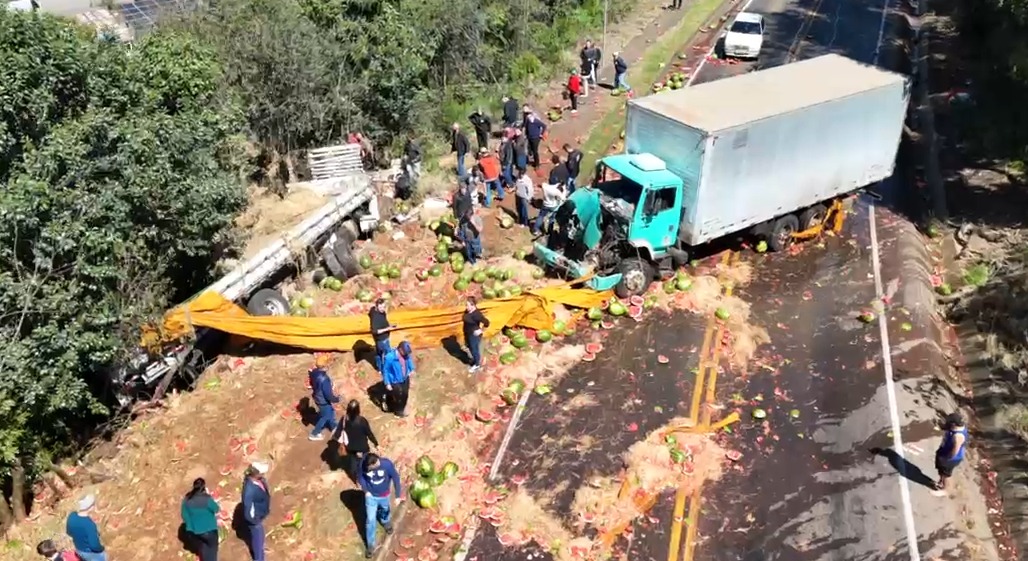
pixel 710 53
pixel 890 388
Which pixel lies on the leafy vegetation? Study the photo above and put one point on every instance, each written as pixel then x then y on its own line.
pixel 123 167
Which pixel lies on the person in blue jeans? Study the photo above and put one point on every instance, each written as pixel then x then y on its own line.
pixel 256 507
pixel 474 324
pixel 574 166
pixel 620 71
pixel 951 451
pixel 470 235
pixel 84 534
pixel 324 398
pixel 459 145
pixel 523 191
pixel 375 478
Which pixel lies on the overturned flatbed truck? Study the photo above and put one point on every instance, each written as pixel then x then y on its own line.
pixel 770 152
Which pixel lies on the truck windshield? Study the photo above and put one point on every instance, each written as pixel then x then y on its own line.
pixel 611 184
pixel 746 28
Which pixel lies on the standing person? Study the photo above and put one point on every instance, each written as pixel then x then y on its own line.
pixel 510 112
pixel 399 366
pixel 483 126
pixel 620 71
pixel 48 550
pixel 506 152
pixel 951 450
pixel 463 198
pixel 559 172
pixel 380 329
pixel 489 166
pixel 367 151
pixel 356 438
pixel 459 145
pixel 553 196
pixel 535 131
pixel 256 507
pixel 520 151
pixel 84 534
pixel 574 89
pixel 525 112
pixel 474 323
pixel 376 478
pixel 324 398
pixel 523 191
pixel 574 166
pixel 470 234
pixel 412 158
pixel 590 58
pixel 200 517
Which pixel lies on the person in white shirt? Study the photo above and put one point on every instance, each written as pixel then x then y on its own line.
pixel 523 191
pixel 553 196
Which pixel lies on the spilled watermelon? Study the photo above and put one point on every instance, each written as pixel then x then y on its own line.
pixel 485 416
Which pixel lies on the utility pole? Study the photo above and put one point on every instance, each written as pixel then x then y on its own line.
pixel 603 41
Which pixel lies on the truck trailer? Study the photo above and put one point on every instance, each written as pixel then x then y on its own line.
pixel 766 153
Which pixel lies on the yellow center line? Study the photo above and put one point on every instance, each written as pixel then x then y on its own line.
pixel 715 361
pixel 705 347
pixel 693 522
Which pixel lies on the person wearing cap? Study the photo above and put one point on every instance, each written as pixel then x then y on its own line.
pixel 460 146
pixel 256 499
pixel 490 168
pixel 951 450
pixel 380 330
pixel 398 366
pixel 324 398
pixel 376 477
pixel 83 532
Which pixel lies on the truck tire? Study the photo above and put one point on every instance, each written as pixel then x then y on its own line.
pixel 335 268
pixel 267 302
pixel 347 260
pixel 349 231
pixel 636 276
pixel 812 217
pixel 781 233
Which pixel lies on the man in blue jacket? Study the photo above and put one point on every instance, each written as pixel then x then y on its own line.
pixel 535 130
pixel 398 366
pixel 375 479
pixel 256 499
pixel 324 397
pixel 83 532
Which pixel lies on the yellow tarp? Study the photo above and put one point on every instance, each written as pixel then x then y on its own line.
pixel 422 328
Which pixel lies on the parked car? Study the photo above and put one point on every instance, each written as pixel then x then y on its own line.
pixel 745 37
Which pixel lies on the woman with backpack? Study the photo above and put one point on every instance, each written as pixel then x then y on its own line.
pixel 200 517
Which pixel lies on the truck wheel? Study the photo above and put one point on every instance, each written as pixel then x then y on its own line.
pixel 636 276
pixel 328 256
pixel 348 231
pixel 781 233
pixel 351 267
pixel 267 302
pixel 813 216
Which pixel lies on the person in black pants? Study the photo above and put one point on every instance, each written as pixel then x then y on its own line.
pixel 573 163
pixel 398 367
pixel 380 329
pixel 510 112
pixel 474 325
pixel 535 130
pixel 199 515
pixel 356 438
pixel 483 125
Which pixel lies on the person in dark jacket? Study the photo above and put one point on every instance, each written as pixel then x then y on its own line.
pixel 510 112
pixel 573 163
pixel 507 158
pixel 460 146
pixel 84 534
pixel 355 438
pixel 590 57
pixel 200 518
pixel 398 368
pixel 256 507
pixel 376 477
pixel 535 131
pixel 483 126
pixel 559 172
pixel 474 324
pixel 324 398
pixel 620 71
pixel 412 158
pixel 380 330
pixel 469 232
pixel 520 151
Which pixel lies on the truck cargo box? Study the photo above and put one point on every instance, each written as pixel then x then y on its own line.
pixel 756 146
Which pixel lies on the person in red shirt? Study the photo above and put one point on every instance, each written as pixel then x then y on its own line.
pixel 489 165
pixel 574 89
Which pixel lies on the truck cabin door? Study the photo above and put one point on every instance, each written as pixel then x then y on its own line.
pixel 658 218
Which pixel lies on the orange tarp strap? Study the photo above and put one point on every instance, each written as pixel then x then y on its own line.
pixel 422 328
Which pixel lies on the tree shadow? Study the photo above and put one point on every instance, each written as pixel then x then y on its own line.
pixel 904 467
pixel 353 500
pixel 308 413
pixel 189 541
pixel 454 349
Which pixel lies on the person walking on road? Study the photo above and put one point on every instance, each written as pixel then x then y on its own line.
pixel 84 534
pixel 573 163
pixel 523 191
pixel 489 166
pixel 510 112
pixel 483 126
pixel 460 146
pixel 620 72
pixel 376 478
pixel 324 398
pixel 200 518
pixel 256 507
pixel 380 330
pixel 535 131
pixel 474 323
pixel 574 88
pixel 590 58
pixel 553 196
pixel 951 451
pixel 399 365
pixel 356 438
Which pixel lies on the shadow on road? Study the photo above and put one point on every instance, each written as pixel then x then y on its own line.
pixel 904 467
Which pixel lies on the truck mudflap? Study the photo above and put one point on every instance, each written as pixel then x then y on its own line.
pixel 574 269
